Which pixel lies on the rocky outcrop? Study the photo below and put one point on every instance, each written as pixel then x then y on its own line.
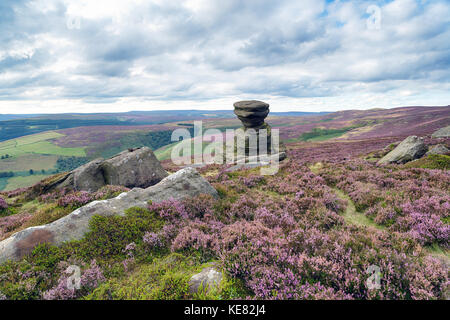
pixel 131 168
pixel 438 149
pixel 442 133
pixel 182 184
pixel 251 113
pixel 409 149
pixel 255 133
pixel 208 279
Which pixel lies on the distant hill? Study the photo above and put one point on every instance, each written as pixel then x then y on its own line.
pixel 62 142
pixel 14 125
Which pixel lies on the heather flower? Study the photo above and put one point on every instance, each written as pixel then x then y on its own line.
pixel 3 204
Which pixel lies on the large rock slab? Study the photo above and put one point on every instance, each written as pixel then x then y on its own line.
pixel 409 149
pixel 442 133
pixel 182 184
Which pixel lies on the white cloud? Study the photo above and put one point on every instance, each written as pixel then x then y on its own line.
pixel 141 55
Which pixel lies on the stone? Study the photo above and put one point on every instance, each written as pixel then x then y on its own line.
pixel 130 168
pixel 251 113
pixel 88 177
pixel 208 279
pixel 438 149
pixel 249 140
pixel 442 133
pixel 184 183
pixel 409 149
pixel 135 168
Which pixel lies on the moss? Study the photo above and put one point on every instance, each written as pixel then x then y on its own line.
pixel 108 236
pixel 433 161
pixel 165 278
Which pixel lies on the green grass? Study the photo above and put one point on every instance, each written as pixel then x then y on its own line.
pixel 165 152
pixel 36 162
pixel 321 134
pixel 352 216
pixel 35 152
pixel 38 143
pixel 21 182
pixel 433 161
pixel 46 147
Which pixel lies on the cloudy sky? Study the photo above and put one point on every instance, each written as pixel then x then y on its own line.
pixel 305 55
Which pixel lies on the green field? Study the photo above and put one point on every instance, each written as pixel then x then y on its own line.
pixel 21 182
pixel 38 143
pixel 37 162
pixel 36 152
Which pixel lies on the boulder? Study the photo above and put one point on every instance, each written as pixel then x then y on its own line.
pixel 438 149
pixel 409 149
pixel 251 113
pixel 442 133
pixel 208 279
pixel 130 168
pixel 138 168
pixel 182 184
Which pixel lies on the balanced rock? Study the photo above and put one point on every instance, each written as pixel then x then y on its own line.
pixel 208 279
pixel 438 149
pixel 251 113
pixel 255 133
pixel 409 149
pixel 182 184
pixel 442 133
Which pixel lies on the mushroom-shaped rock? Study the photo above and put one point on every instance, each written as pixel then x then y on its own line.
pixel 252 113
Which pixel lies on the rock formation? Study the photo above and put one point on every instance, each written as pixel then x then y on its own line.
pixel 438 149
pixel 130 168
pixel 182 184
pixel 252 114
pixel 409 149
pixel 442 133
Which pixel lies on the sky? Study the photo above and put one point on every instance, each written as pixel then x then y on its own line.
pixel 306 55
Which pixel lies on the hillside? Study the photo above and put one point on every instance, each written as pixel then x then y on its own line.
pixel 312 231
pixel 55 151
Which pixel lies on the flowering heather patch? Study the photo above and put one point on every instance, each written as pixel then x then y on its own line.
pixel 76 199
pixel 90 279
pixel 3 204
pixel 285 236
pixel 11 222
pixel 412 201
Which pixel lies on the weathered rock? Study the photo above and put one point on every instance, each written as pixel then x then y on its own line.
pixel 131 168
pixel 252 113
pixel 442 133
pixel 208 279
pixel 88 177
pixel 182 184
pixel 438 149
pixel 138 168
pixel 409 149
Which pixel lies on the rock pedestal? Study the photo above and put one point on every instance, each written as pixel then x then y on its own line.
pixel 256 135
